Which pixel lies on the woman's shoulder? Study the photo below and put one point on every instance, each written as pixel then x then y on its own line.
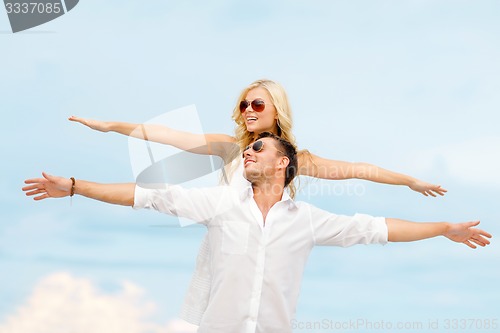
pixel 305 158
pixel 219 137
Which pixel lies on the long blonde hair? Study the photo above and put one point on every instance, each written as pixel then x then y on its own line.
pixel 284 121
pixel 279 99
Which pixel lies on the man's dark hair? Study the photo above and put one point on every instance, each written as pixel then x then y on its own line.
pixel 289 151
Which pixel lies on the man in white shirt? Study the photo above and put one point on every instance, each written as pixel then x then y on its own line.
pixel 259 237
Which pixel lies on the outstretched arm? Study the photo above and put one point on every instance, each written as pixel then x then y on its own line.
pixel 199 205
pixel 405 231
pixel 207 144
pixel 59 187
pixel 318 167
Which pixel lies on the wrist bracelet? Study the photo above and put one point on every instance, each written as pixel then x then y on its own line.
pixel 72 186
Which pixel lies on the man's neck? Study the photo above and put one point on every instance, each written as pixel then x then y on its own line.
pixel 266 195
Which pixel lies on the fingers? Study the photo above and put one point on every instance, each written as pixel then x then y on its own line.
pixel 31 187
pixel 82 121
pixel 77 119
pixel 433 190
pixel 472 224
pixel 35 192
pixel 438 190
pixel 484 233
pixel 441 191
pixel 47 176
pixel 41 197
pixel 37 187
pixel 469 244
pixel 481 233
pixel 34 181
pixel 481 241
pixel 38 183
pixel 479 237
pixel 92 124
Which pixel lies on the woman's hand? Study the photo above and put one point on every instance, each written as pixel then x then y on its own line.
pixel 427 188
pixel 101 126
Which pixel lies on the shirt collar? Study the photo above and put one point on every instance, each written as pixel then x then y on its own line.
pixel 247 192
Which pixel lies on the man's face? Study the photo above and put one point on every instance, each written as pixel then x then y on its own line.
pixel 263 163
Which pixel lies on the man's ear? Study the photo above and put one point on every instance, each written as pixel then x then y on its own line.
pixel 283 162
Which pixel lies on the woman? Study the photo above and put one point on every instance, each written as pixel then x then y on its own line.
pixel 262 107
pixel 274 115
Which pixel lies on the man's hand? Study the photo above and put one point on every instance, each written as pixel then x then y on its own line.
pixel 48 187
pixel 467 234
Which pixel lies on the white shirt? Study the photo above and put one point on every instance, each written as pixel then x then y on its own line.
pixel 256 269
pixel 198 294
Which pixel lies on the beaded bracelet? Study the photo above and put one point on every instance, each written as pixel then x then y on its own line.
pixel 72 186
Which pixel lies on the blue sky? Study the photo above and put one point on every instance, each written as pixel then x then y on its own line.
pixel 411 86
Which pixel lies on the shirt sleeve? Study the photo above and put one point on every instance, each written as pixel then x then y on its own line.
pixel 340 230
pixel 199 205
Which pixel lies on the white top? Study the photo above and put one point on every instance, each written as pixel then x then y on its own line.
pixel 256 269
pixel 198 294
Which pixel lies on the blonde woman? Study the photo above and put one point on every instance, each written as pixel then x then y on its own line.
pixel 262 107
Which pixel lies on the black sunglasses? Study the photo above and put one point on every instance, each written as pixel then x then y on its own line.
pixel 257 147
pixel 258 105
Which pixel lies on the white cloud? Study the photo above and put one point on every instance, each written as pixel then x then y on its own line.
pixel 63 303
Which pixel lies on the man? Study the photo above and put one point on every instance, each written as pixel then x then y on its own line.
pixel 259 237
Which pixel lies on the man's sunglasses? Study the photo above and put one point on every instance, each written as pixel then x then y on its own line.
pixel 258 105
pixel 257 147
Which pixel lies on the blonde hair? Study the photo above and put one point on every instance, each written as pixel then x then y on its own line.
pixel 279 99
pixel 284 121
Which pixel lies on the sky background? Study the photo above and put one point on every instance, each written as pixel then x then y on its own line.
pixel 410 86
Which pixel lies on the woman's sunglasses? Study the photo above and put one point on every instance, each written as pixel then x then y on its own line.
pixel 258 105
pixel 257 147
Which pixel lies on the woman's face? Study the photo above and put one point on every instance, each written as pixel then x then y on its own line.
pixel 264 121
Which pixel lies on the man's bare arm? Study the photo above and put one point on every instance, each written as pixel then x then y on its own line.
pixel 406 231
pixel 58 187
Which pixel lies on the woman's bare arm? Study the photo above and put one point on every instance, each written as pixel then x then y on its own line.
pixel 315 166
pixel 207 144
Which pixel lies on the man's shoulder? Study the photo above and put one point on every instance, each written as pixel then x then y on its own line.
pixel 305 205
pixel 218 191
